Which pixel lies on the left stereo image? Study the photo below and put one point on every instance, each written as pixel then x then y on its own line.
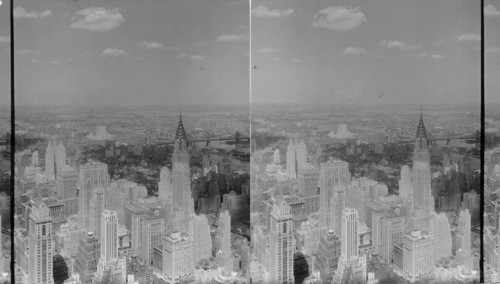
pixel 6 192
pixel 132 141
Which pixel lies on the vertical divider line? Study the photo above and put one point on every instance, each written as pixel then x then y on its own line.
pixel 482 149
pixel 12 145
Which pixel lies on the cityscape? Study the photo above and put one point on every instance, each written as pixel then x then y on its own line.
pixel 237 141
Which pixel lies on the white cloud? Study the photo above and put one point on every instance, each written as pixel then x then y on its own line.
pixel 262 11
pixel 55 62
pixel 181 55
pixel 196 57
pixel 26 52
pixel 97 19
pixel 339 18
pixel 113 52
pixel 268 50
pixel 354 51
pixel 495 49
pixel 296 61
pixel 437 56
pixel 398 44
pixel 20 12
pixel 151 45
pixel 491 11
pixel 276 59
pixel 469 37
pixel 422 54
pixel 5 39
pixel 231 37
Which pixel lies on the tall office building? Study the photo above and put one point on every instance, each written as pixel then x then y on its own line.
pixel 291 160
pixel 328 255
pixel 202 239
pixel 308 187
pixel 300 155
pixel 165 185
pixel 405 183
pixel 442 236
pixel 223 242
pixel 59 158
pixel 333 181
pixel 147 232
pixel 178 261
pixel 110 268
pixel 350 239
pixel 92 175
pixel 50 162
pixel 392 227
pixel 41 244
pixel 98 204
pixel 276 156
pixel 423 203
pixel 418 255
pixel 182 202
pixel 67 192
pixel 281 243
pixel 463 237
pixel 87 257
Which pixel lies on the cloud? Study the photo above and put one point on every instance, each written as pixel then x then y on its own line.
pixel 262 11
pixel 5 39
pixel 339 18
pixel 354 51
pixel 156 45
pixel 181 55
pixel 495 49
pixel 97 19
pixel 268 50
pixel 422 54
pixel 232 38
pixel 113 52
pixel 437 56
pixel 276 59
pixel 398 44
pixel 491 11
pixel 55 62
pixel 469 37
pixel 296 61
pixel 196 57
pixel 19 12
pixel 26 52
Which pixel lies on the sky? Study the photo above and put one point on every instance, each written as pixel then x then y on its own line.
pixel 129 52
pixel 492 52
pixel 366 52
pixel 4 56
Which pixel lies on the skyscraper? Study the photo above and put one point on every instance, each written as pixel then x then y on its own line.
pixel 59 157
pixel 442 236
pixel 165 185
pixel 405 184
pixel 98 204
pixel 281 243
pixel 308 187
pixel 291 160
pixel 333 180
pixel 223 242
pixel 202 239
pixel 463 237
pixel 328 255
pixel 41 244
pixel 92 175
pixel 417 255
pixel 110 268
pixel 182 202
pixel 423 204
pixel 350 240
pixel 67 192
pixel 178 261
pixel 49 161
